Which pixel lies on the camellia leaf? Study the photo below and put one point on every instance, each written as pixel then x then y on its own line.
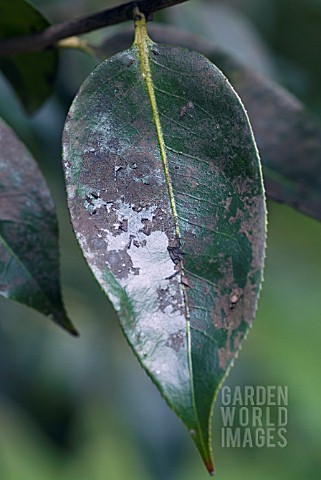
pixel 166 199
pixel 29 257
pixel 288 137
pixel 32 75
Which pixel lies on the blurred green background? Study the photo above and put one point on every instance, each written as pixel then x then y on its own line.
pixel 83 409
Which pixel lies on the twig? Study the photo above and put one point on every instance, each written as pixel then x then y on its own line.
pixel 77 44
pixel 41 40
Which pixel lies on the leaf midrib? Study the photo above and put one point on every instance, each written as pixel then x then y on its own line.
pixel 143 42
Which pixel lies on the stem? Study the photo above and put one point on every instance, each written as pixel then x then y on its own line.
pixel 36 42
pixel 77 44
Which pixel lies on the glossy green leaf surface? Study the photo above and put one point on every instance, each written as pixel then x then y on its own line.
pixel 166 199
pixel 31 75
pixel 288 137
pixel 29 256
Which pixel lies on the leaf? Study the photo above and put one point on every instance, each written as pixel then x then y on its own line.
pixel 288 137
pixel 29 256
pixel 32 75
pixel 228 27
pixel 166 199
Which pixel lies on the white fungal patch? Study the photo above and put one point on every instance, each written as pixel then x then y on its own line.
pixel 71 191
pixel 151 266
pixel 97 271
pixel 89 150
pixel 94 203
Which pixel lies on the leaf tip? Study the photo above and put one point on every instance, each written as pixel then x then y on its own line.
pixel 63 321
pixel 71 329
pixel 206 454
pixel 209 466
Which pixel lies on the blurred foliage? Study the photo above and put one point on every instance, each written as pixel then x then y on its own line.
pixel 83 408
pixel 31 75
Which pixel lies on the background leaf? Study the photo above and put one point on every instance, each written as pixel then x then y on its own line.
pixel 29 257
pixel 32 75
pixel 288 137
pixel 166 200
pixel 225 25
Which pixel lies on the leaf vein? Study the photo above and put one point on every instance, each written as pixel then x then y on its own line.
pixel 188 155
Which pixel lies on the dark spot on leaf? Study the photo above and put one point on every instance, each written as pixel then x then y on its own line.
pixel 131 237
pixel 163 298
pixel 121 263
pixel 137 208
pixel 147 229
pixel 187 107
pixel 176 340
pixel 176 254
pixel 234 298
pixel 123 226
pixel 185 281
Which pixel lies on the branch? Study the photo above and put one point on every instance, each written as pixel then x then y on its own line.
pixel 36 42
